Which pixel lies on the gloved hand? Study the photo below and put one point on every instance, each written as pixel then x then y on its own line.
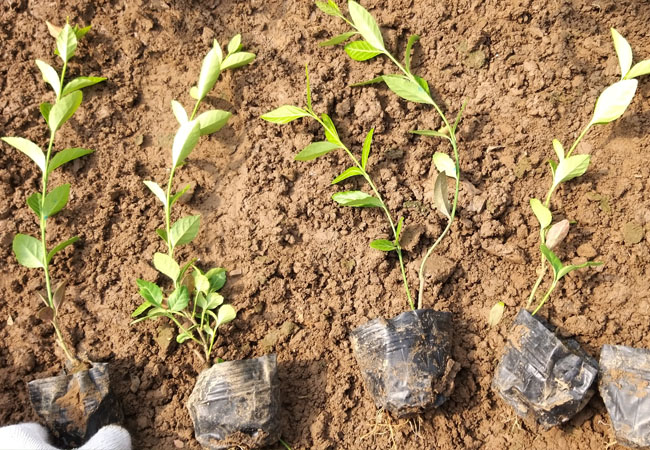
pixel 33 436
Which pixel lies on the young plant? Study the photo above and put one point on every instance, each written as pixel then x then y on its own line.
pixel 33 252
pixel 286 113
pixel 611 105
pixel 193 303
pixel 410 87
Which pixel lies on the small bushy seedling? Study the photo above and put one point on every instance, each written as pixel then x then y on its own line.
pixel 30 251
pixel 194 304
pixel 611 105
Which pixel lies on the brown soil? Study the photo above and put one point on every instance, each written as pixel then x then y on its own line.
pixel 301 272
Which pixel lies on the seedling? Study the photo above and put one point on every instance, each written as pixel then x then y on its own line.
pixel 611 105
pixel 410 87
pixel 193 304
pixel 30 251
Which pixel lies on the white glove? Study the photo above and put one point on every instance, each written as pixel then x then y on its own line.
pixel 33 436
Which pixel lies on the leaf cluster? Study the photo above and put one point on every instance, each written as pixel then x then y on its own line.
pixel 406 85
pixel 610 105
pixel 193 304
pixel 32 252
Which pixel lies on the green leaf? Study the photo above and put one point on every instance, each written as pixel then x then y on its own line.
pixel 184 269
pixel 315 149
pixel 185 140
pixel 166 265
pixel 365 152
pixel 179 299
pixel 570 168
pixel 398 232
pixel 81 32
pixel 642 68
pixel 28 251
pixel 361 51
pixel 66 155
pixel 28 148
pixel 555 262
pixel 559 149
pixel 383 245
pixel 213 300
pixel 162 233
pixel 34 202
pixel 444 164
pixel 441 195
pixel 236 60
pixel 217 277
pixel 571 267
pixel 55 200
pixel 366 25
pixel 60 247
pixel 183 337
pixel 235 44
pixel 347 173
pixel 330 8
pixel 423 84
pixel 212 121
pixel 356 198
pixel 201 282
pixel 623 51
pixel 407 54
pixel 285 114
pixel 184 230
pixel 553 165
pixel 407 89
pixel 375 80
pixel 226 314
pixel 210 70
pixel 179 112
pixel 66 43
pixel 459 115
pixel 613 102
pixel 338 39
pixel 45 109
pixel 151 292
pixel 330 130
pixel 157 191
pixel 542 213
pixel 142 308
pixel 50 76
pixel 496 313
pixel 194 93
pixel 63 110
pixel 80 83
pixel 179 194
pixel 431 133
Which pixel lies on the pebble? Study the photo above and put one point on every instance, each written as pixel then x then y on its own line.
pixel 178 443
pixel 586 251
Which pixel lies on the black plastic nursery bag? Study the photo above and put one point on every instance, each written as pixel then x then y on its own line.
pixel 76 406
pixel 625 388
pixel 405 361
pixel 235 404
pixel 542 377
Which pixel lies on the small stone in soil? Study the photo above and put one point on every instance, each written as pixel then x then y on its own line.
pixel 270 340
pixel 164 337
pixel 586 251
pixel 178 443
pixel 632 233
pixel 287 329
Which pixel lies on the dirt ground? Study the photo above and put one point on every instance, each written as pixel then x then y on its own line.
pixel 301 273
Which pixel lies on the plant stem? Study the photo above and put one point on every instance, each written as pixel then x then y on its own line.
pixel 58 95
pixel 546 296
pixel 366 176
pixel 547 203
pixel 447 228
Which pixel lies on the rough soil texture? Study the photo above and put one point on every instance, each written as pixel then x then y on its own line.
pixel 301 272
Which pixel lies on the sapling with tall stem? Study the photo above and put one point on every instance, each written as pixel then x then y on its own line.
pixel 408 86
pixel 194 304
pixel 611 105
pixel 34 252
